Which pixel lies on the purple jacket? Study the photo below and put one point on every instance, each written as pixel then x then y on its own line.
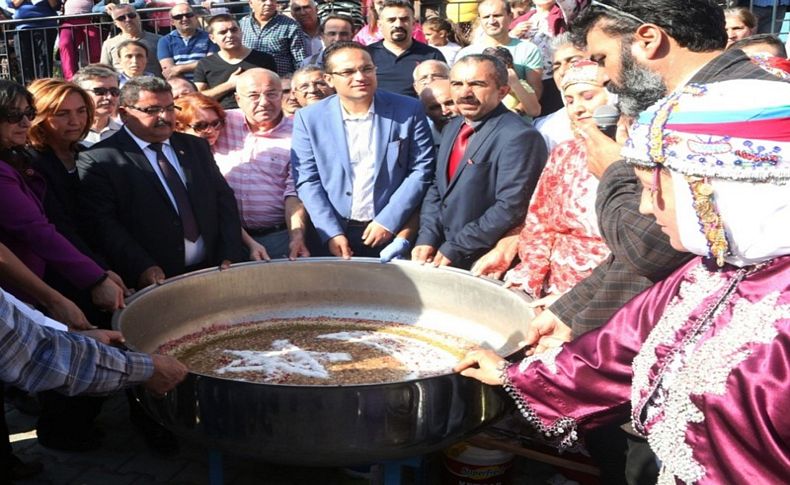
pixel 24 228
pixel 701 360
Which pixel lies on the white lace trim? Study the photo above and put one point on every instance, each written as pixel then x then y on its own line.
pixel 705 371
pixel 561 432
pixel 547 358
pixel 701 284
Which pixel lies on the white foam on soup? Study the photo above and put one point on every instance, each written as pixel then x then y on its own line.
pixel 285 359
pixel 417 356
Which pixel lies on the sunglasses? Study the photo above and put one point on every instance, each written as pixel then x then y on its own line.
pixel 203 126
pixel 114 92
pixel 124 18
pixel 15 117
pixel 181 16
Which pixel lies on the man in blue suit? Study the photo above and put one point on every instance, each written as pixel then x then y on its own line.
pixel 363 159
pixel 488 166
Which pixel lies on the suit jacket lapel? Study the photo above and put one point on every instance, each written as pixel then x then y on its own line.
pixel 382 125
pixel 133 152
pixel 333 124
pixel 476 141
pixel 183 160
pixel 449 134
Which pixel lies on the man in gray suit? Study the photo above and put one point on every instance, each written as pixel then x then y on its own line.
pixel 488 165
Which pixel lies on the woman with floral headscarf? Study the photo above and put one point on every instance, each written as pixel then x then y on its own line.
pixel 702 358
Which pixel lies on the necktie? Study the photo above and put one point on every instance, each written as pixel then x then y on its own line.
pixel 179 191
pixel 459 147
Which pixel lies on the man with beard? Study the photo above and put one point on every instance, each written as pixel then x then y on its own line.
pixel 648 49
pixel 398 54
pixel 101 83
pixel 216 75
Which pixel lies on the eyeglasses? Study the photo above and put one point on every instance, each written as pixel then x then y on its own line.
pixel 347 73
pixel 203 126
pixel 15 117
pixel 319 85
pixel 124 18
pixel 269 95
pixel 616 11
pixel 429 78
pixel 114 92
pixel 181 16
pixel 155 110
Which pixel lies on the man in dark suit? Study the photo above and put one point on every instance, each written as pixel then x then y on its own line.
pixel 488 165
pixel 154 200
pixel 156 205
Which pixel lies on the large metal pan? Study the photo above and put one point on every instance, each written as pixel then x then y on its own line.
pixel 327 425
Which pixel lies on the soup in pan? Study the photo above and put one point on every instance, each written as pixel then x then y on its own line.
pixel 319 351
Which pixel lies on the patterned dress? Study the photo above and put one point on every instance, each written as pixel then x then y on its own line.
pixel 560 243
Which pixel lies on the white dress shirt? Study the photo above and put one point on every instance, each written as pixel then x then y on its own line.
pixel 362 154
pixel 194 252
pixel 32 313
pixel 96 136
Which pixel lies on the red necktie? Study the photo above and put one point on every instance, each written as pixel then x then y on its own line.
pixel 459 147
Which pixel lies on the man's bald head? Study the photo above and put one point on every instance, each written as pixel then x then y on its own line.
pixel 249 80
pixel 259 94
pixel 428 71
pixel 438 102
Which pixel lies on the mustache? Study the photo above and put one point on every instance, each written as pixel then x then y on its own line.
pixel 161 122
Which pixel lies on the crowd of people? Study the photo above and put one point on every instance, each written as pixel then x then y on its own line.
pixel 311 134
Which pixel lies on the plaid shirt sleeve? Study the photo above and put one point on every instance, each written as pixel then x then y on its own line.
pixel 641 255
pixel 38 358
pixel 633 238
pixel 298 47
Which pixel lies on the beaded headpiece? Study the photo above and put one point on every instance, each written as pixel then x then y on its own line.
pixel 731 130
pixel 778 66
pixel 582 71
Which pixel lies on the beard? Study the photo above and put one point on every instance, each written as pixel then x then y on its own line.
pixel 638 87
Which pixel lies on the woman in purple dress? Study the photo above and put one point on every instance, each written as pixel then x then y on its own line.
pixel 24 227
pixel 701 360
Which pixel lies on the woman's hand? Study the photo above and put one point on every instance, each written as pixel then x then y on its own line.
pixel 484 365
pixel 66 311
pixel 107 295
pixel 545 332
